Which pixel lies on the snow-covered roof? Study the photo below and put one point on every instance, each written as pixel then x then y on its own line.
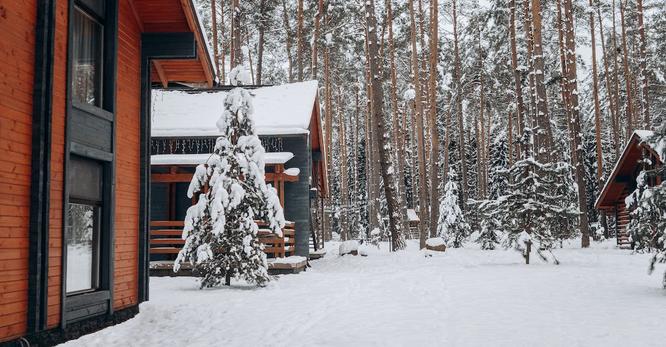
pixel 196 159
pixel 642 136
pixel 278 110
pixel 412 216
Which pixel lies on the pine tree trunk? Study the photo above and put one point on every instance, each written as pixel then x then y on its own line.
pixel 299 40
pixel 434 131
pixel 328 113
pixel 509 130
pixel 372 150
pixel 520 110
pixel 344 190
pixel 564 86
pixel 418 116
pixel 643 67
pixel 616 80
pixel 395 208
pixel 213 15
pixel 236 54
pixel 610 92
pixel 543 136
pixel 530 115
pixel 260 49
pixel 315 38
pixel 287 28
pixel 627 73
pixel 425 100
pixel 576 136
pixel 396 114
pixel 457 78
pixel 249 56
pixel 223 53
pixel 597 111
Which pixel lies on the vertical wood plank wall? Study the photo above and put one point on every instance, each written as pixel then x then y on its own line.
pixel 17 47
pixel 57 163
pixel 127 161
pixel 17 55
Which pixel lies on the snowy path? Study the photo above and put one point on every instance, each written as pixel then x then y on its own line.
pixel 467 297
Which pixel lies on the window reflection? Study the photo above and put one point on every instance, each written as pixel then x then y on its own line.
pixel 87 54
pixel 81 247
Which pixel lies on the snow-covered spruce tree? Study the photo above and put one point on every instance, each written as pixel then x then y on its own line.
pixel 452 226
pixel 648 214
pixel 538 202
pixel 648 204
pixel 220 229
pixel 498 162
pixel 490 228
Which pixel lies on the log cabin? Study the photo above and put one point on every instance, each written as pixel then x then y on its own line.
pixel 636 156
pixel 74 134
pixel 184 131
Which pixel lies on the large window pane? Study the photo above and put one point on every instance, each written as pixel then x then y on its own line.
pixel 81 247
pixel 87 65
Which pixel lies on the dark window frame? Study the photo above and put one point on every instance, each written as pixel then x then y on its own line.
pixel 83 305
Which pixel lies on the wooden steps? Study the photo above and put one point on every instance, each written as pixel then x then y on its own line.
pixel 623 218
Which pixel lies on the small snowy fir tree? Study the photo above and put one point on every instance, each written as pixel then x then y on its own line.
pixel 648 206
pixel 452 226
pixel 537 202
pixel 498 162
pixel 221 233
pixel 490 233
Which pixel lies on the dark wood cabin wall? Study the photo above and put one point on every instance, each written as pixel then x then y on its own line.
pixel 297 194
pixel 17 49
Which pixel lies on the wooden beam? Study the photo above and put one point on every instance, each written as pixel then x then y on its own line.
pixel 137 18
pixel 160 73
pixel 274 177
pixel 171 178
pixel 168 45
pixel 193 22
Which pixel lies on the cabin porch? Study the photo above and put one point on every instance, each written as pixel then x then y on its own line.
pixel 171 175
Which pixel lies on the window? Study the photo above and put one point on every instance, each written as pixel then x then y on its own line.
pixel 87 52
pixel 83 228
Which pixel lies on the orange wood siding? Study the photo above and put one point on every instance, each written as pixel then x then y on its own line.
pixel 128 136
pixel 17 46
pixel 57 164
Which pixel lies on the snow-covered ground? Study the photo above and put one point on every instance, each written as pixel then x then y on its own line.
pixel 464 297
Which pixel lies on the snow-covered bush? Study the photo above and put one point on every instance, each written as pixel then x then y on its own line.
pixel 221 235
pixel 452 226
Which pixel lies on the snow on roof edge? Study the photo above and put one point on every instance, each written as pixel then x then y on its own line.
pixel 196 159
pixel 208 50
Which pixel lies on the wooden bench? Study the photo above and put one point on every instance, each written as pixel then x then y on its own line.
pixel 166 238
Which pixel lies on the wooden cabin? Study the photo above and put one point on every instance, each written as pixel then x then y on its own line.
pixel 622 181
pixel 74 134
pixel 184 133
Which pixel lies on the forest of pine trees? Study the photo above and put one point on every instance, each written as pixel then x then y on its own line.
pixel 546 92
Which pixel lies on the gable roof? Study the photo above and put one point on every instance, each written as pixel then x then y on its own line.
pixel 625 165
pixel 278 110
pixel 176 16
